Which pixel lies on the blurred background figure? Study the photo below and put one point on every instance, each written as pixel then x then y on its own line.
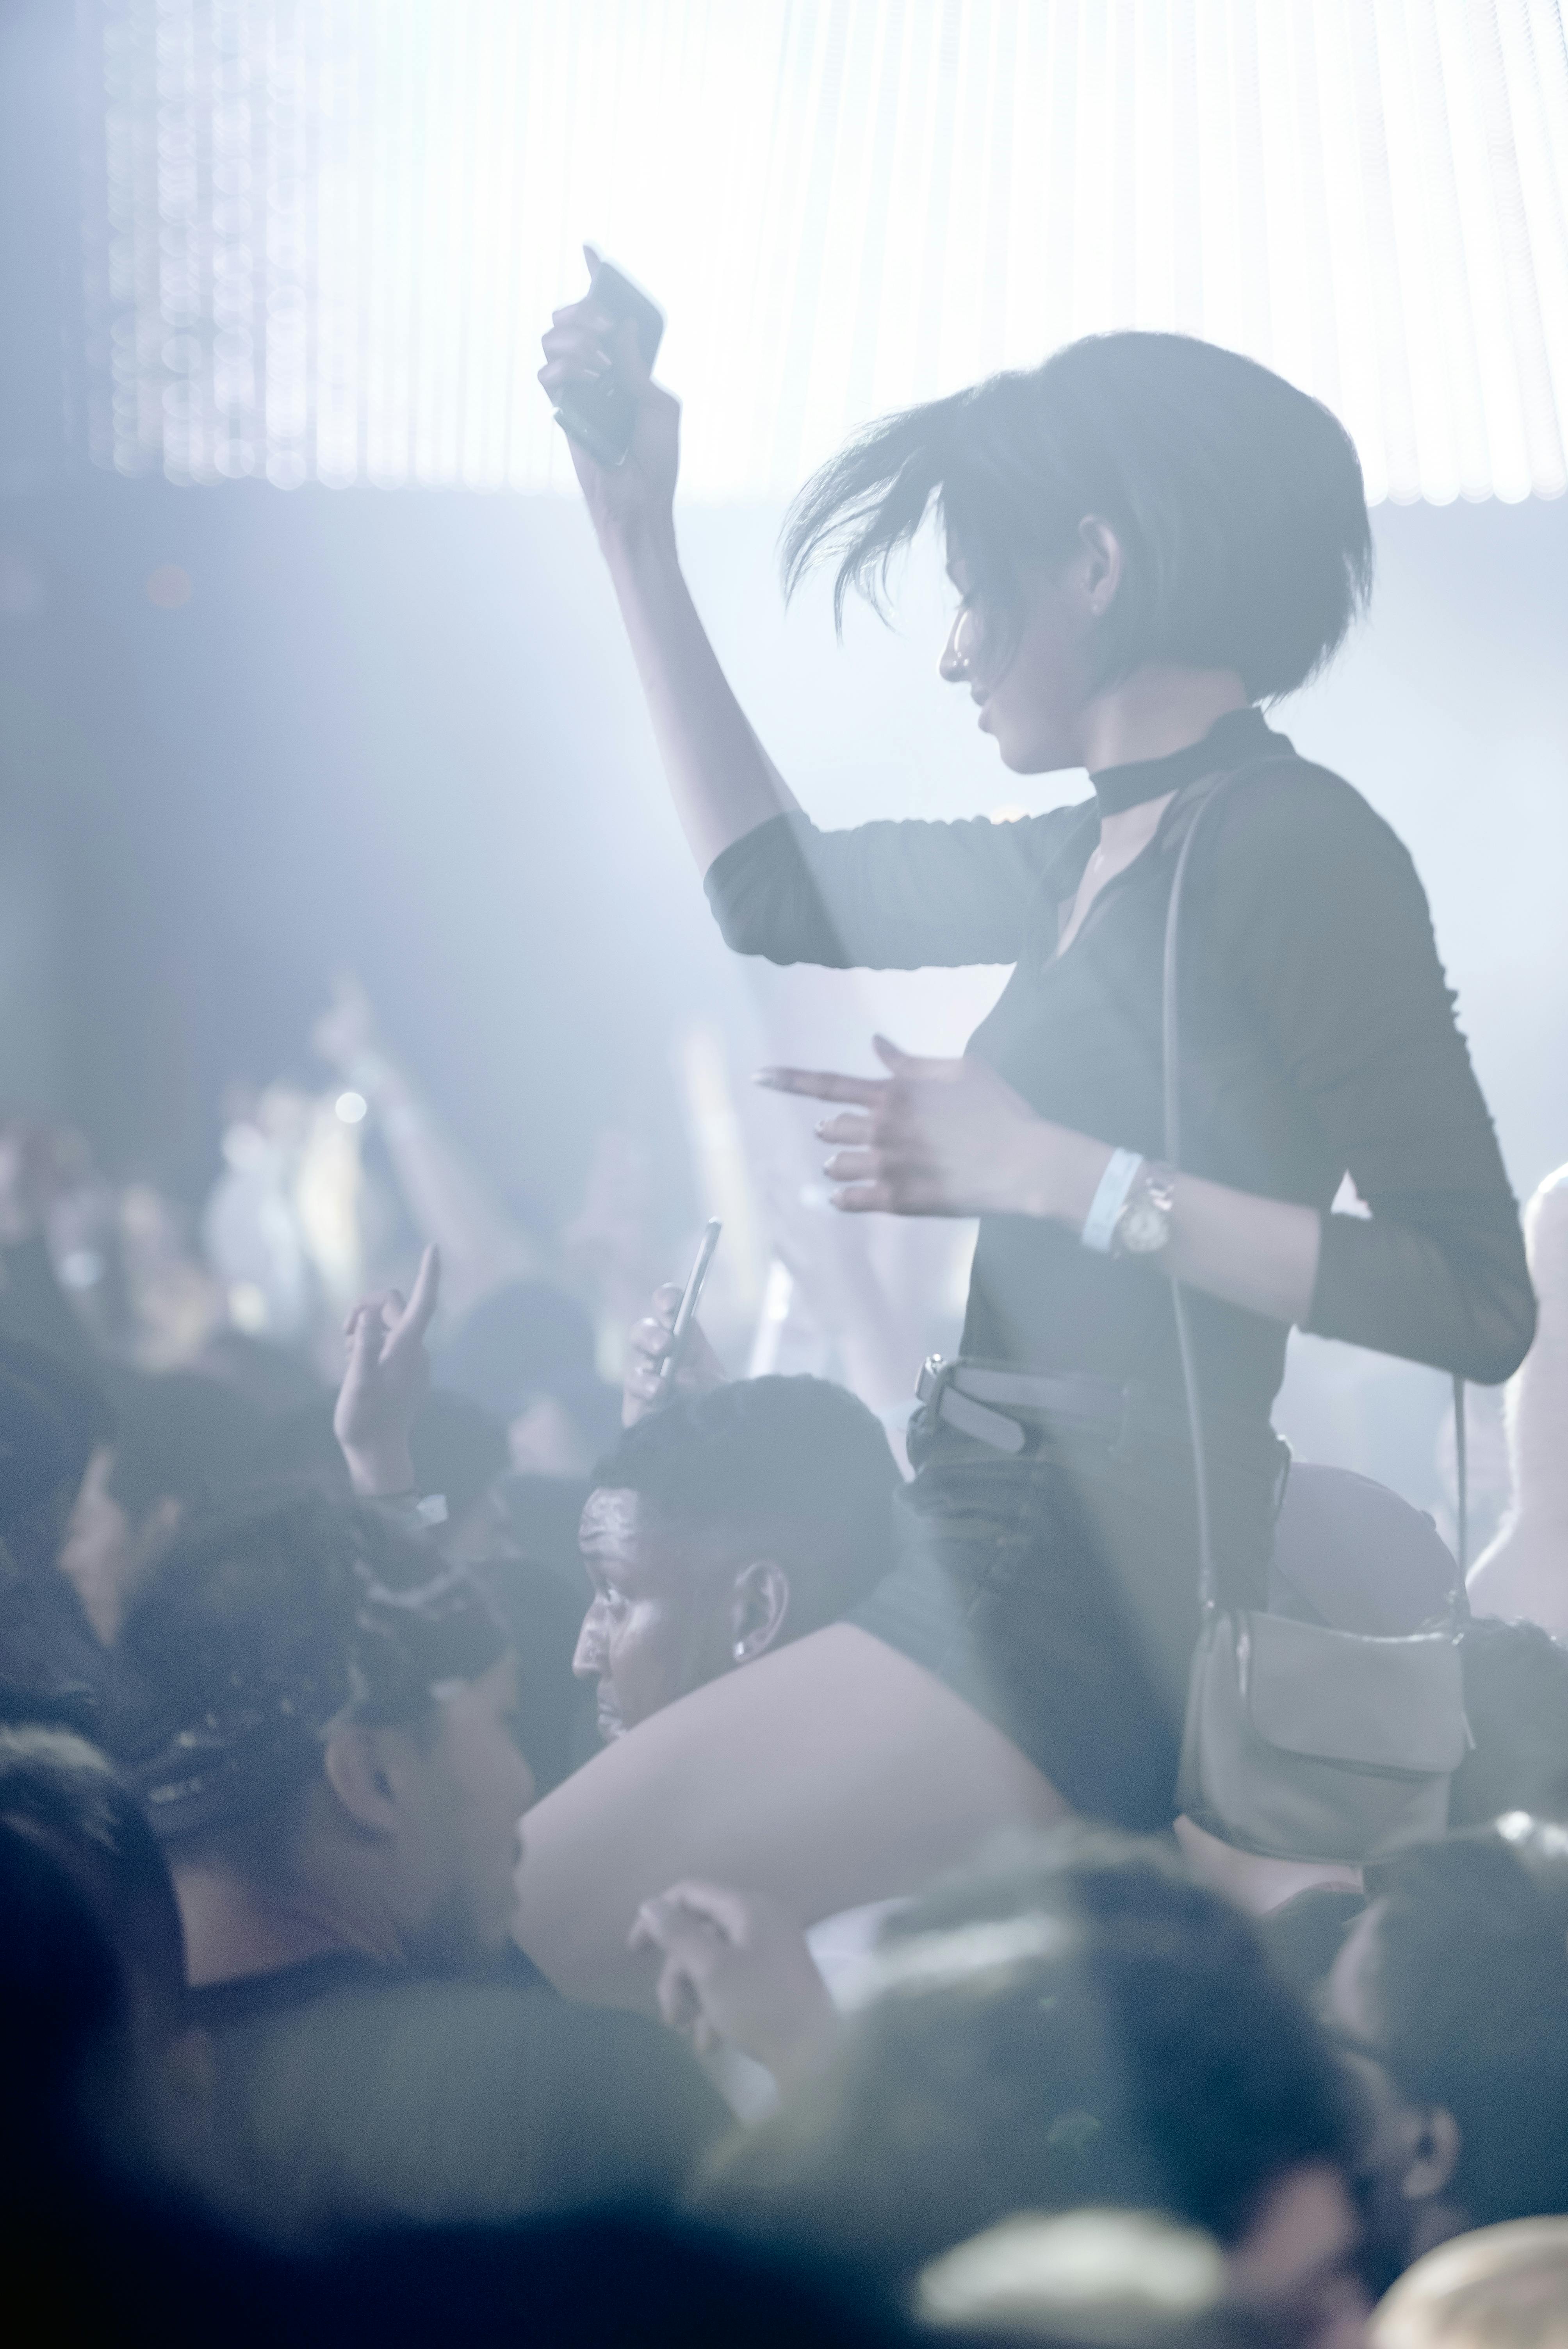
pixel 179 1441
pixel 89 1268
pixel 283 1227
pixel 54 1422
pixel 1454 1984
pixel 1524 1572
pixel 448 1200
pixel 526 1351
pixel 1034 2041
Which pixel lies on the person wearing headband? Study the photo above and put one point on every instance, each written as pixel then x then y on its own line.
pixel 324 1741
pixel 321 1723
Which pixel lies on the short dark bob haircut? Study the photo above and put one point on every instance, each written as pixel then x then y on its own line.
pixel 1238 502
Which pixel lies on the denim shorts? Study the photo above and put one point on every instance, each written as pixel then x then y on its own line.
pixel 1055 1591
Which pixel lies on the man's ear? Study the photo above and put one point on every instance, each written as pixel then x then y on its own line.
pixel 1434 2155
pixel 758 1604
pixel 356 1766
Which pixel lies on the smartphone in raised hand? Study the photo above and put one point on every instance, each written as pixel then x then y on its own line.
pixel 691 1296
pixel 602 415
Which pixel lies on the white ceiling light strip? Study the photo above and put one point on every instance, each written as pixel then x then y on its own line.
pixel 323 236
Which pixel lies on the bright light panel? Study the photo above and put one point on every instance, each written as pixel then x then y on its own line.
pixel 323 236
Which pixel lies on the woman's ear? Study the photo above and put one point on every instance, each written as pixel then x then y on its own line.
pixel 1434 2155
pixel 1098 567
pixel 356 1768
pixel 758 1609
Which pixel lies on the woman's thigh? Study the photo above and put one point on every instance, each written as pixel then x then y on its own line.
pixel 835 1772
pixel 1025 1587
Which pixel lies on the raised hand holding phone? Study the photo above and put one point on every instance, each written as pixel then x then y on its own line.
pixel 601 411
pixel 596 371
pixel 723 782
pixel 667 1352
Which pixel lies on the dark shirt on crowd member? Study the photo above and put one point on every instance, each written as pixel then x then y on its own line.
pixel 347 2092
pixel 1318 1035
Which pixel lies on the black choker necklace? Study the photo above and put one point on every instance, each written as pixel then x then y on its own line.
pixel 1230 737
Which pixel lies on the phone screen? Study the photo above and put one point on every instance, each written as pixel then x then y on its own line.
pixel 602 415
pixel 690 1296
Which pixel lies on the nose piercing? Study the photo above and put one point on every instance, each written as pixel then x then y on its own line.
pixel 962 642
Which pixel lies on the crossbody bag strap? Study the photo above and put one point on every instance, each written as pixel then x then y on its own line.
pixel 1200 797
pixel 1461 1494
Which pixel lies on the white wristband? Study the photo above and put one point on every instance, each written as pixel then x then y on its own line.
pixel 1105 1208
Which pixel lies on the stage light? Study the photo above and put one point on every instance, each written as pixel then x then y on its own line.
pixel 323 235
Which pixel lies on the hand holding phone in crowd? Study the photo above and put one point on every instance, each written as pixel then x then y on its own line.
pixel 598 358
pixel 668 1352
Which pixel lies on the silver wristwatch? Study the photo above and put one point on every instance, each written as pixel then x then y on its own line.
pixel 1143 1227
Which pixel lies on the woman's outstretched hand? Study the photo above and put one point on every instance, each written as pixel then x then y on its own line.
pixel 943 1138
pixel 636 497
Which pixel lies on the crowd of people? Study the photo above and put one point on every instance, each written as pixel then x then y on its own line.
pixel 482 1854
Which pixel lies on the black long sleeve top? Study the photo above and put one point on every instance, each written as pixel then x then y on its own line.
pixel 1317 1038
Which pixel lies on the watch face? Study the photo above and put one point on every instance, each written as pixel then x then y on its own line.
pixel 1145 1227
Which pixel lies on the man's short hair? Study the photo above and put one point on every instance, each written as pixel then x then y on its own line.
pixel 793 1469
pixel 265 1624
pixel 1470 1995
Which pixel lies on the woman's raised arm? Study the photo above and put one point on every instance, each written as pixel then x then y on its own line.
pixel 723 782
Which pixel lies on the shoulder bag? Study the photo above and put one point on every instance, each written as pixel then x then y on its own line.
pixel 1303 1742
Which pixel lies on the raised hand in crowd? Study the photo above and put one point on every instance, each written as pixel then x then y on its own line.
pixel 737 1970
pixel 387 1378
pixel 643 1387
pixel 450 1201
pixel 39 1164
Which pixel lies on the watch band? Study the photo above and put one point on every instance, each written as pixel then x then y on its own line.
pixel 1110 1196
pixel 1143 1227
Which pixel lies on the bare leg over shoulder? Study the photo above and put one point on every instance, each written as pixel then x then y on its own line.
pixel 833 1772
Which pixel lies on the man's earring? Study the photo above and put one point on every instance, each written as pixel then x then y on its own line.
pixel 740 1652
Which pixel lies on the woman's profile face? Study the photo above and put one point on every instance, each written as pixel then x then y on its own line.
pixel 1030 699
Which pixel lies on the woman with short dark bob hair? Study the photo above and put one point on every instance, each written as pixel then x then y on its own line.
pixel 1147 536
